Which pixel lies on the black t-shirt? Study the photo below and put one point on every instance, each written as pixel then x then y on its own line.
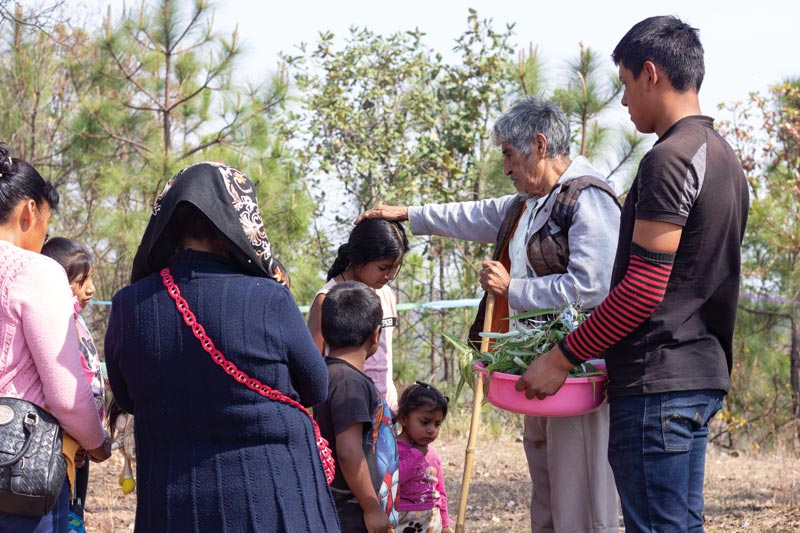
pixel 691 178
pixel 352 399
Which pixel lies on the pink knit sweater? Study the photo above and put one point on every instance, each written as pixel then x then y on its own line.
pixel 40 361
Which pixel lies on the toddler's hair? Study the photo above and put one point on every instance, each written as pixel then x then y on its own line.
pixel 73 256
pixel 350 313
pixel 422 395
pixel 372 240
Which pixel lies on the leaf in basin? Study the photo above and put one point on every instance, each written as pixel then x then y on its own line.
pixel 490 335
pixel 533 314
pixel 520 363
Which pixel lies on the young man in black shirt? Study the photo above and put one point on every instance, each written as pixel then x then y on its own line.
pixel 666 327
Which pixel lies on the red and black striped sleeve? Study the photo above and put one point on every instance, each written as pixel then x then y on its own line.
pixel 628 304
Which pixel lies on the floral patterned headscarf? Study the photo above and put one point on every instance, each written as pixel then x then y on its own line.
pixel 228 198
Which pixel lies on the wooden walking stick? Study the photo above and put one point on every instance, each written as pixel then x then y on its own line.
pixel 477 399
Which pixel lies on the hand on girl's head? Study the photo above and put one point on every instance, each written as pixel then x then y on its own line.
pixel 372 255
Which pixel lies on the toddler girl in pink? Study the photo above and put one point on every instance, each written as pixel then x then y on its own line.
pixel 421 496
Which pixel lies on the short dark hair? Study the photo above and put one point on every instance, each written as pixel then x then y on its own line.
pixel 532 115
pixel 350 313
pixel 668 42
pixel 422 395
pixel 72 255
pixel 372 239
pixel 20 181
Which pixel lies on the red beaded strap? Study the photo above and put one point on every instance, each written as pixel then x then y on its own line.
pixel 263 389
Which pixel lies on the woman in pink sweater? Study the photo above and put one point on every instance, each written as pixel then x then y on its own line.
pixel 37 336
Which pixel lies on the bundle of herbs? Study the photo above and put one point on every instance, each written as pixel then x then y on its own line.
pixel 512 352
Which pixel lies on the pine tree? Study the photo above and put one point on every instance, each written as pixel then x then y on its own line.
pixel 765 132
pixel 158 94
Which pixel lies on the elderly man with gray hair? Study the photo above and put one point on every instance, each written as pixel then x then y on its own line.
pixel 555 244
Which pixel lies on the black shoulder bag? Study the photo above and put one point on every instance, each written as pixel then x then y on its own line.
pixel 32 468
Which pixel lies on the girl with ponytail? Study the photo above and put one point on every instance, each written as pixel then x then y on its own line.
pixel 372 255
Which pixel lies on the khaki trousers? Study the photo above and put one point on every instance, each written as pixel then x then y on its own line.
pixel 573 487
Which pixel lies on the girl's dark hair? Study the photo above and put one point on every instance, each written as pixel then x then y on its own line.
pixel 422 395
pixel 371 240
pixel 19 181
pixel 72 255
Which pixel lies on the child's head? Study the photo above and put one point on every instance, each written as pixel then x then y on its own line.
pixel 77 262
pixel 374 252
pixel 351 315
pixel 421 411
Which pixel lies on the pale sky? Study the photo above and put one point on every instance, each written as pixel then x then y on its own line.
pixel 748 45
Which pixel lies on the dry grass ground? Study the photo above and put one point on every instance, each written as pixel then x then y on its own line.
pixel 744 492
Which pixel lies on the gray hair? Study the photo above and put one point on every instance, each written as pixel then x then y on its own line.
pixel 530 116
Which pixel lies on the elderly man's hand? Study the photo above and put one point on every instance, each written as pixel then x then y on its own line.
pixel 495 278
pixel 545 375
pixel 386 212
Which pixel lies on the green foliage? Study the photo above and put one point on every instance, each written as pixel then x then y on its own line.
pixel 765 132
pixel 384 119
pixel 528 73
pixel 158 95
pixel 357 116
pixel 588 94
pixel 758 409
pixel 110 113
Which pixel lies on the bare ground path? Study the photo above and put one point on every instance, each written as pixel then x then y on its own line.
pixel 744 492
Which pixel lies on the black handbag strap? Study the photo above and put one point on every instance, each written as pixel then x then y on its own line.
pixel 28 424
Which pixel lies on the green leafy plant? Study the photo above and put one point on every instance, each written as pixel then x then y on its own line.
pixel 514 351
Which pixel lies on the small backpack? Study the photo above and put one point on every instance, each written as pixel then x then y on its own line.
pixel 384 445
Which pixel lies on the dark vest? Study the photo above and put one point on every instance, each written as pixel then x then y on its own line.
pixel 548 252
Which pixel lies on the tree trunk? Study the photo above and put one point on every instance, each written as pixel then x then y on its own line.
pixel 442 316
pixel 431 292
pixel 166 109
pixel 794 370
pixel 438 338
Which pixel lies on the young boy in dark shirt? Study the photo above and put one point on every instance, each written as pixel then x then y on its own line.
pixel 354 418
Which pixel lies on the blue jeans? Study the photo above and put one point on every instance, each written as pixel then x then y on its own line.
pixel 657 449
pixel 56 521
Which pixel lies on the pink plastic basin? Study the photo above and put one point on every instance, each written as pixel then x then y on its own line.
pixel 577 396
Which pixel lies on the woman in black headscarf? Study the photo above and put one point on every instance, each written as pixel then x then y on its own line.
pixel 212 454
